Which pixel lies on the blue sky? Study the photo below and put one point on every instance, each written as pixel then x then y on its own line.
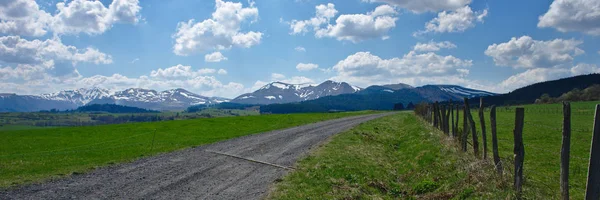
pixel 226 48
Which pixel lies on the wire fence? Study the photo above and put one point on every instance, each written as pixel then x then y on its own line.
pixel 541 120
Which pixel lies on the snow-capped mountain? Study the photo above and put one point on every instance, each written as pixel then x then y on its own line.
pixel 175 99
pixel 79 97
pixel 278 92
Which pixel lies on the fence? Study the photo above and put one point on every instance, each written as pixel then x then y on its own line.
pixel 445 117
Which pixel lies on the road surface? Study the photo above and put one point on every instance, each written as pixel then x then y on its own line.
pixel 240 168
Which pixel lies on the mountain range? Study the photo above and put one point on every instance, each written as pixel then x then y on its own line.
pixel 378 98
pixel 175 99
pixel 272 93
pixel 278 92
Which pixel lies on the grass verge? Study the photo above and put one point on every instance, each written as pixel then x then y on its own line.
pixel 28 156
pixel 395 157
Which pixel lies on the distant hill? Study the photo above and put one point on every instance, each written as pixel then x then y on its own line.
pixel 112 108
pixel 377 98
pixel 528 94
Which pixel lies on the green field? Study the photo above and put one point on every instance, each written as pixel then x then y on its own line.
pixel 399 157
pixel 542 136
pixel 48 119
pixel 395 157
pixel 38 154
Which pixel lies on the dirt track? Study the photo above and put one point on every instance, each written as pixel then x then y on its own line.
pixel 240 168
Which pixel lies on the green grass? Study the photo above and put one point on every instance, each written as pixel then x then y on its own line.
pixel 396 157
pixel 542 136
pixel 28 156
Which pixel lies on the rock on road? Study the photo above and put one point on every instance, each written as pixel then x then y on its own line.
pixel 240 168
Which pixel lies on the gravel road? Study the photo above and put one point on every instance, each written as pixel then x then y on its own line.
pixel 240 168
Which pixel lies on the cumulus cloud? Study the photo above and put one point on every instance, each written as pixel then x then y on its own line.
pixel 14 49
pixel 364 68
pixel 214 57
pixel 536 75
pixel 525 52
pixel 180 71
pixel 31 79
pixel 419 6
pixel 92 17
pixel 221 31
pixel 433 46
pixel 306 66
pixel 323 15
pixel 350 27
pixel 573 15
pixel 457 20
pixel 300 49
pixel 24 17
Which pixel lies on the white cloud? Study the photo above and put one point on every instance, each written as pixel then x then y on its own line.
pixel 180 71
pixel 222 72
pixel 24 17
pixel 277 76
pixel 214 57
pixel 40 81
pixel 306 66
pixel 433 46
pixel 134 60
pixel 92 17
pixel 573 15
pixel 419 6
pixel 300 49
pixel 458 20
pixel 50 54
pixel 323 15
pixel 221 31
pixel 351 27
pixel 525 52
pixel 536 75
pixel 364 68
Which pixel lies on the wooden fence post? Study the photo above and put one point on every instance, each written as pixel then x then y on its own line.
pixel 465 124
pixel 447 119
pixel 435 114
pixel 452 120
pixel 565 151
pixel 497 161
pixel 473 131
pixel 482 121
pixel 519 150
pixel 457 117
pixel 443 115
pixel 593 181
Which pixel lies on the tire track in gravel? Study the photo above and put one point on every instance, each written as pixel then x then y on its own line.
pixel 231 169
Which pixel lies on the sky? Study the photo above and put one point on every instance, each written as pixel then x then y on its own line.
pixel 227 48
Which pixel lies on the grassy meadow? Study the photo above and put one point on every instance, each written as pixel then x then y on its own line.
pixel 402 157
pixel 395 157
pixel 34 155
pixel 542 137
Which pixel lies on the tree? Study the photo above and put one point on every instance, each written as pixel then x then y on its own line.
pixel 399 106
pixel 591 93
pixel 410 106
